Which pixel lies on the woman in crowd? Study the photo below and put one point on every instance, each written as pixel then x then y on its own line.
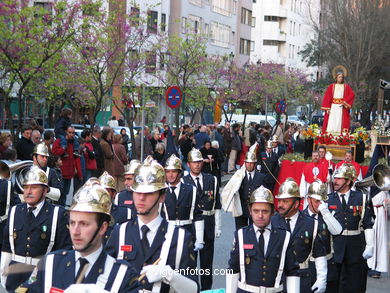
pixel 5 142
pixel 159 152
pixel 106 144
pixel 125 140
pixel 210 159
pixel 120 160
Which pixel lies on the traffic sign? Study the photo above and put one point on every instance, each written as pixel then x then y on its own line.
pixel 173 97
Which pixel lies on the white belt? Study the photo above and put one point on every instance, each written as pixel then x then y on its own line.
pixel 180 222
pixel 304 265
pixel 351 232
pixel 3 218
pixel 26 259
pixel 256 289
pixel 208 213
pixel 327 257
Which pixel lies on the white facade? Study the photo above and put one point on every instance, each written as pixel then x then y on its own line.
pixel 282 29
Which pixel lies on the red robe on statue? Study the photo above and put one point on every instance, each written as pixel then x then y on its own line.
pixel 347 102
pixel 313 171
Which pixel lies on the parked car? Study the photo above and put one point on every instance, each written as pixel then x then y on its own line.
pixel 261 119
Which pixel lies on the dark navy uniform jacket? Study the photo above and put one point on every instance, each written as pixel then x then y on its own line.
pixel 14 199
pixel 302 236
pixel 125 199
pixel 133 253
pixel 273 166
pixel 351 247
pixel 55 179
pixel 247 188
pixel 260 269
pixel 120 215
pixel 180 208
pixel 209 200
pixel 64 273
pixel 326 240
pixel 33 239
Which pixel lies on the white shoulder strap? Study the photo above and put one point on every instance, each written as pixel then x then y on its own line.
pixel 179 249
pixel 315 232
pixel 241 254
pixel 164 253
pixel 116 199
pixel 193 202
pixel 47 171
pixel 49 272
pixel 11 229
pixel 103 278
pixel 121 242
pixel 363 210
pixel 53 228
pixel 8 197
pixel 119 279
pixel 215 191
pixel 128 214
pixel 282 260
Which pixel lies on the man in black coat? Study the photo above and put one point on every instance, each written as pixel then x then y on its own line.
pixel 269 162
pixel 25 146
pixel 97 132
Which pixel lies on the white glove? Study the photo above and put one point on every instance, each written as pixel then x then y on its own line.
pixel 322 271
pixel 334 226
pixel 232 282
pixel 158 273
pixel 199 234
pixel 369 251
pixel 5 261
pixel 218 223
pixel 293 284
pixel 54 194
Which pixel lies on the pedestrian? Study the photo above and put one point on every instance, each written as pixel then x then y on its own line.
pixel 120 160
pixel 151 245
pixel 35 137
pixel 89 154
pixel 221 159
pixel 148 149
pixel 113 122
pixel 36 227
pixel 71 165
pixel 355 244
pixel 306 235
pixel 236 146
pixel 186 146
pixel 5 143
pixel 269 166
pixel 181 206
pixel 210 203
pixel 210 159
pixel 227 141
pixel 201 137
pixel 61 125
pixel 25 146
pixel 97 149
pixel 87 262
pixel 107 150
pixel 159 153
pixel 262 252
pixel 125 139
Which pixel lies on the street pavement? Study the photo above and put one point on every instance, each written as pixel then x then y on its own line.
pixel 223 245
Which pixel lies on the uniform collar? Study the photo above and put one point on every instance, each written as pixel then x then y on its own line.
pixel 38 207
pixel 91 258
pixel 152 225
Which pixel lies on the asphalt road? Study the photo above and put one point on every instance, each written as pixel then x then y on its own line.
pixel 223 245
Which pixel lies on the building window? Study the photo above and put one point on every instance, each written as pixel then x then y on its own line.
pixel 134 16
pixel 246 16
pixel 196 2
pixel 222 7
pixel 252 46
pixel 245 47
pixel 152 21
pixel 150 62
pixel 220 34
pixel 271 18
pixel 207 30
pixel 163 22
pixel 194 23
pixel 253 21
pixel 184 25
pixel 270 43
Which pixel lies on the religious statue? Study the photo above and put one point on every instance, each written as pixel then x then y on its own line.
pixel 337 102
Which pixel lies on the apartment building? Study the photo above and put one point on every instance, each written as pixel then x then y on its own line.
pixel 281 30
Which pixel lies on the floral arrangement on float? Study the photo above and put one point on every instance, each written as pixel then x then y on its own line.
pixel 343 139
pixel 311 132
pixel 361 135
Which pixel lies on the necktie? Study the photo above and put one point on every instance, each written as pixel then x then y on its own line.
pixel 30 214
pixel 343 202
pixel 80 276
pixel 250 178
pixel 198 187
pixel 173 189
pixel 261 240
pixel 288 224
pixel 144 241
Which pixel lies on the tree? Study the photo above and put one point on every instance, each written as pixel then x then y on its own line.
pixel 354 34
pixel 31 39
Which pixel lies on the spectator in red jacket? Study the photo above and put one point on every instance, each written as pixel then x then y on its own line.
pixel 71 165
pixel 89 154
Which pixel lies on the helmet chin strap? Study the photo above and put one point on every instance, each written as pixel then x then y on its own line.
pixel 342 186
pixel 148 211
pixel 90 242
pixel 289 209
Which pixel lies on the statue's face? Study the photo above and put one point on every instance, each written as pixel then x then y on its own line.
pixel 340 78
